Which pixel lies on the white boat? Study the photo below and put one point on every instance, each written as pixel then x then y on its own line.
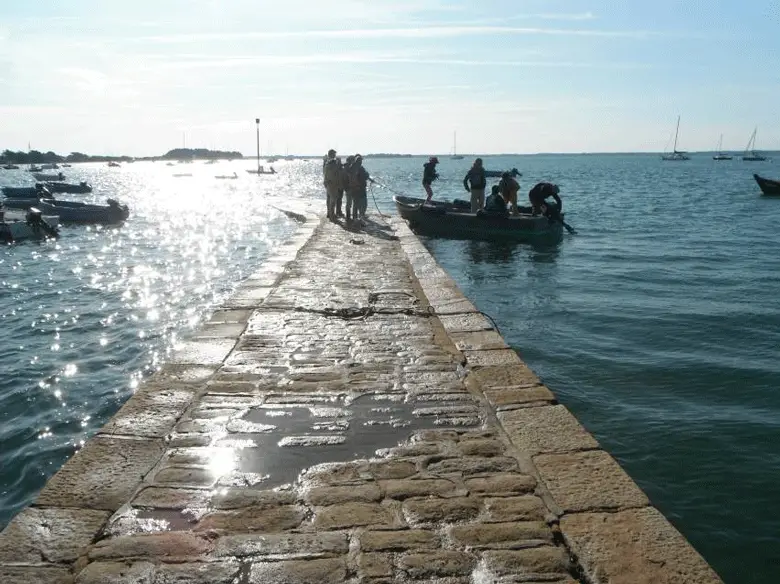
pixel 676 154
pixel 32 224
pixel 42 176
pixel 750 154
pixel 720 154
pixel 455 155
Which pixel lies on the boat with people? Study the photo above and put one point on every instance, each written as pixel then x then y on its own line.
pixel 75 211
pixel 769 187
pixel 72 188
pixel 455 220
pixel 30 224
pixel 42 176
pixel 514 173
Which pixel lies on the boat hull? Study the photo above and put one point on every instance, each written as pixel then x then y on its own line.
pixel 62 187
pixel 769 188
pixel 42 176
pixel 17 226
pixel 455 221
pixel 75 212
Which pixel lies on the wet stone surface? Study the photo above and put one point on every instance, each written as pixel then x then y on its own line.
pixel 337 440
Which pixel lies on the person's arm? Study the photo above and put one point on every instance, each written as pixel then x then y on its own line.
pixel 466 181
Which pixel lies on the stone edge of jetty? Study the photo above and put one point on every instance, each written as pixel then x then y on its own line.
pixel 603 518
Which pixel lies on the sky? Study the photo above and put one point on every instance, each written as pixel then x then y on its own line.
pixel 514 76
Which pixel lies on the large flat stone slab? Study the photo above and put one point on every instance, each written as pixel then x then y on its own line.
pixel 548 429
pixel 588 481
pixel 204 352
pixel 50 534
pixel 35 575
pixel 103 474
pixel 636 546
pixel 151 412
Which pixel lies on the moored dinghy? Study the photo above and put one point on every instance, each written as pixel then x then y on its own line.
pixel 32 224
pixel 63 187
pixel 77 212
pixel 769 187
pixel 455 220
pixel 42 176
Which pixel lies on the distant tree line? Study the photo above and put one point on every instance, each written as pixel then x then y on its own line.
pixel 37 157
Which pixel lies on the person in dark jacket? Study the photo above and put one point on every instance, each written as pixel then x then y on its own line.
pixel 331 170
pixel 475 183
pixel 429 175
pixel 495 204
pixel 540 193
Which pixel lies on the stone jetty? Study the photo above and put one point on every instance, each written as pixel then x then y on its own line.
pixel 347 416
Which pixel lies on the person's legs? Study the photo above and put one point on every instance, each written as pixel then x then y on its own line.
pixel 339 199
pixel 350 205
pixel 428 191
pixel 332 194
pixel 477 199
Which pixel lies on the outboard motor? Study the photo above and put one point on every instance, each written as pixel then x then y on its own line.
pixel 35 220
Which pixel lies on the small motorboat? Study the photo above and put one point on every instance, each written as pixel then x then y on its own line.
pixel 497 173
pixel 455 220
pixel 182 174
pixel 36 192
pixel 63 187
pixel 112 163
pixel 74 211
pixel 10 167
pixel 227 176
pixel 769 187
pixel 261 170
pixel 42 176
pixel 65 165
pixel 53 166
pixel 34 168
pixel 32 224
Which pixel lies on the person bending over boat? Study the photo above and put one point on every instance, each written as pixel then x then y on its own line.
pixel 429 175
pixel 539 195
pixel 331 170
pixel 475 183
pixel 509 187
pixel 495 204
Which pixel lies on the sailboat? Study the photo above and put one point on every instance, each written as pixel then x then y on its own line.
pixel 750 151
pixel 260 169
pixel 720 155
pixel 676 154
pixel 455 155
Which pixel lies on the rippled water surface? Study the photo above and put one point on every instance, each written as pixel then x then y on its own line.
pixel 658 324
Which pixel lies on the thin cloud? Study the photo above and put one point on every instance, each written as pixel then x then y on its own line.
pixel 411 32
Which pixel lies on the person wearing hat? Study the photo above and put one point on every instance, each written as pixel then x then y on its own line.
pixel 540 193
pixel 509 187
pixel 429 175
pixel 475 183
pixel 331 170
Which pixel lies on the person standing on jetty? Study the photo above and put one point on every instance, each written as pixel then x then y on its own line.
pixel 349 188
pixel 331 171
pixel 360 180
pixel 475 183
pixel 429 175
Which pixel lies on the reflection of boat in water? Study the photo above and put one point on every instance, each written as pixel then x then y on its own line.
pixel 769 187
pixel 455 220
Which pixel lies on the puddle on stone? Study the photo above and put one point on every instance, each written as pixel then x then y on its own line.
pixel 296 436
pixel 313 434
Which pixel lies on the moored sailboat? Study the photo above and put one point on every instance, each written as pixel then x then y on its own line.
pixel 455 155
pixel 750 154
pixel 676 154
pixel 719 155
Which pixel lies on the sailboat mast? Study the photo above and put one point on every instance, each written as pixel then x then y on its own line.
pixel 454 143
pixel 257 124
pixel 677 131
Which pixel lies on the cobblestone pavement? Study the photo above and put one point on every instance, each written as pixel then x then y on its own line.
pixel 325 426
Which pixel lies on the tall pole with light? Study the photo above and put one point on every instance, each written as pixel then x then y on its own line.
pixel 257 124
